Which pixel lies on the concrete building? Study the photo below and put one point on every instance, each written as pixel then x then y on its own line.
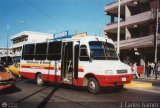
pixel 137 28
pixel 25 37
pixel 3 54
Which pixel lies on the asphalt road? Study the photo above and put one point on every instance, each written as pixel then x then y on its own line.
pixel 27 94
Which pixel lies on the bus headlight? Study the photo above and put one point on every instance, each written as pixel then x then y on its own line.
pixel 108 72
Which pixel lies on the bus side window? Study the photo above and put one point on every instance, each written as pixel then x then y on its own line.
pixel 83 53
pixel 40 53
pixel 28 52
pixel 54 50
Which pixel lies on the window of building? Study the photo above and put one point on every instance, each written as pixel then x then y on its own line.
pixel 54 51
pixel 26 38
pixel 40 53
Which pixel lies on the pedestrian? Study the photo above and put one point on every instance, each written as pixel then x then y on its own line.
pixel 149 69
pixel 152 68
pixel 158 67
pixel 135 70
pixel 146 69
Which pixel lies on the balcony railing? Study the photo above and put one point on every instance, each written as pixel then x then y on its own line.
pixel 114 22
pixel 147 41
pixel 135 19
pixel 115 4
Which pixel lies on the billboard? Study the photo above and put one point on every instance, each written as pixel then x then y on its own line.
pixel 61 35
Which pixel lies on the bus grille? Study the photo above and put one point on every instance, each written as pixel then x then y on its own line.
pixel 121 71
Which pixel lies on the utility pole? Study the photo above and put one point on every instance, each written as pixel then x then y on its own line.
pixel 8 27
pixel 155 41
pixel 118 27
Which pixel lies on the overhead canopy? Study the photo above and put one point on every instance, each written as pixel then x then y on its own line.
pixel 141 42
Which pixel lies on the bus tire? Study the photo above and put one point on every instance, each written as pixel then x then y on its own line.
pixel 93 86
pixel 39 80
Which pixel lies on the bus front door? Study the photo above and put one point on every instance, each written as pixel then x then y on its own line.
pixel 67 62
pixel 75 62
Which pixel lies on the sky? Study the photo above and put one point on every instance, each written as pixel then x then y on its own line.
pixel 52 16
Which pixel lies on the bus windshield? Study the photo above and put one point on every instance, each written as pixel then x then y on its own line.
pixel 103 50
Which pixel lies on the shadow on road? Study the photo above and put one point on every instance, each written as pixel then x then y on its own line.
pixel 71 87
pixel 30 81
pixel 46 99
pixel 31 95
pixel 104 90
pixel 112 90
pixel 13 89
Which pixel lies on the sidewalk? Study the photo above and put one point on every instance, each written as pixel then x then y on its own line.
pixel 151 77
pixel 145 82
pixel 138 84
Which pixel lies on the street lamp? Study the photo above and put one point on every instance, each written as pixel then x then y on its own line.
pixel 155 40
pixel 8 28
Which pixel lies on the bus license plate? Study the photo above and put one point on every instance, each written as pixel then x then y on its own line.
pixel 123 78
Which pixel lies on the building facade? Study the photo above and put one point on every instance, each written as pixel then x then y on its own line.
pixel 4 53
pixel 26 37
pixel 137 29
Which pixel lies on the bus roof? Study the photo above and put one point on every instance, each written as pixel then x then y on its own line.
pixel 89 38
pixel 82 39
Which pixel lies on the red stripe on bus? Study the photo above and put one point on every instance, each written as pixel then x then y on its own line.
pixel 59 68
pixel 28 75
pixel 38 67
pixel 52 68
pixel 25 66
pixel 80 70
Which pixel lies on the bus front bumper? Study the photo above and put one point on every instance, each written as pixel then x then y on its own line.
pixel 114 80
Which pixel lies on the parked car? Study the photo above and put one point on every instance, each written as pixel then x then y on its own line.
pixel 6 78
pixel 15 68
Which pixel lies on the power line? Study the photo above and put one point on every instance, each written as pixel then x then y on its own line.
pixel 92 26
pixel 45 14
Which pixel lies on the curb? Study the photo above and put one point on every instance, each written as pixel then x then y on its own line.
pixel 150 78
pixel 137 84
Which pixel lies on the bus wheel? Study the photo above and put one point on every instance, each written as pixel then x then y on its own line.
pixel 39 80
pixel 93 86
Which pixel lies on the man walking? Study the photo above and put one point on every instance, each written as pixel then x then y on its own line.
pixel 135 70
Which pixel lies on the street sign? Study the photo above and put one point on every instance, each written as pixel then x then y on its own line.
pixel 62 35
